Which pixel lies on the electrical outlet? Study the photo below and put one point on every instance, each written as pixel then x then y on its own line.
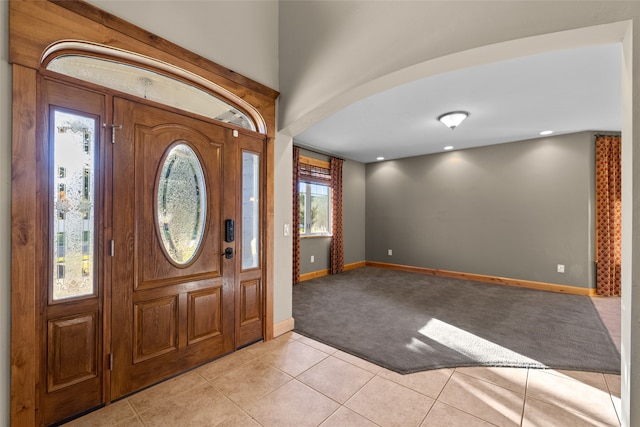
pixel 560 268
pixel 389 252
pixel 287 230
pixel 313 259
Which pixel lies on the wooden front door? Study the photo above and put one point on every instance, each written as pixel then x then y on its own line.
pixel 152 242
pixel 173 274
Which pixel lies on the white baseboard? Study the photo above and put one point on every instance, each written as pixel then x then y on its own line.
pixel 283 327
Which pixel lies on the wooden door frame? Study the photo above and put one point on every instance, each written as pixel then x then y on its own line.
pixel 33 28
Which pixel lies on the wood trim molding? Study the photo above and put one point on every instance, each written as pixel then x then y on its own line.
pixel 573 290
pixel 325 272
pixel 283 327
pixel 354 265
pixel 314 275
pixel 24 313
pixel 314 162
pixel 269 237
pixel 317 236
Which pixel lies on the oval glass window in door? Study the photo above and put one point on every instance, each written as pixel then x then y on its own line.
pixel 181 204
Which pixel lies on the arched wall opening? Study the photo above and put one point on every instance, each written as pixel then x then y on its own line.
pixel 617 32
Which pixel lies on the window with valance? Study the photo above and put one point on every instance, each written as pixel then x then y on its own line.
pixel 317 206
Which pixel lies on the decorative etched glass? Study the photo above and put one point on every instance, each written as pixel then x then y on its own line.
pixel 73 205
pixel 149 85
pixel 250 210
pixel 181 204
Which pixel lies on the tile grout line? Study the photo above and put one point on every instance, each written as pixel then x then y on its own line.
pixel 524 401
pixel 256 358
pixel 428 412
pixel 340 405
pixel 164 400
pixel 356 392
pixel 453 371
pixel 494 384
pixel 234 403
pixel 455 407
pixel 325 395
pixel 135 412
pixel 612 397
pixel 241 410
pixel 437 397
pixel 577 411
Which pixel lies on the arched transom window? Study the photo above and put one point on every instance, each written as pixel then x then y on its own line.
pixel 151 79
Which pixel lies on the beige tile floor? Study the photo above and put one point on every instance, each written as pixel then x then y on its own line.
pixel 296 381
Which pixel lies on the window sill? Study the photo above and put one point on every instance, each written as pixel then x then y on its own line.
pixel 316 236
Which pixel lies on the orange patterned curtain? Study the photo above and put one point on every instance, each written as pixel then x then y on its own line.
pixel 337 241
pixel 295 223
pixel 608 203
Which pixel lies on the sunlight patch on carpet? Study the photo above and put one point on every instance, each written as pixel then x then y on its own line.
pixel 466 343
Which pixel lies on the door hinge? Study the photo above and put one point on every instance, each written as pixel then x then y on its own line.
pixel 111 362
pixel 112 248
pixel 113 131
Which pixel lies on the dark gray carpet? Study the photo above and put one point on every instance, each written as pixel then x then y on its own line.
pixel 410 322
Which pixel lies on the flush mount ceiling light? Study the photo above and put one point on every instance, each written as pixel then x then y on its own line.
pixel 453 119
pixel 380 158
pixel 546 132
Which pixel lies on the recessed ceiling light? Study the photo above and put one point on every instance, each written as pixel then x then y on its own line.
pixel 448 147
pixel 546 132
pixel 380 158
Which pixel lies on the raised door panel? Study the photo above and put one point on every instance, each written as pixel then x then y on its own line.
pixel 205 314
pixel 155 328
pixel 73 351
pixel 250 302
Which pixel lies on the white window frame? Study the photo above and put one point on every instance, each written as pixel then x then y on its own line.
pixel 307 211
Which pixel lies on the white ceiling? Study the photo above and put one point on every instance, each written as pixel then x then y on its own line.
pixel 564 91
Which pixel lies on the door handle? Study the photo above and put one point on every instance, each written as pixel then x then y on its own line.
pixel 228 253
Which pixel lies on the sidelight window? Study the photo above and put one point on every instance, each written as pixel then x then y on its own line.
pixel 250 210
pixel 73 209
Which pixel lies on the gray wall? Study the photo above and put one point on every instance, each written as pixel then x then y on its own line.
pixel 512 210
pixel 353 217
pixel 318 247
